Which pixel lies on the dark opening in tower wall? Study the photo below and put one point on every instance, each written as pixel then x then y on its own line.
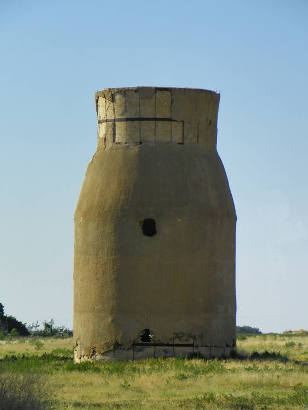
pixel 146 336
pixel 148 226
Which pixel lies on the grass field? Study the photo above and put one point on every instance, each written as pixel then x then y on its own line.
pixel 269 371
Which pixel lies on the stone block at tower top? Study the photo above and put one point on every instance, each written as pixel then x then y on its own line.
pixel 157 115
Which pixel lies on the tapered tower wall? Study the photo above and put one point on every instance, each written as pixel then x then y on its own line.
pixel 156 162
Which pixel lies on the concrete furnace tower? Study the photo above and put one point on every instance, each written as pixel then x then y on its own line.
pixel 154 268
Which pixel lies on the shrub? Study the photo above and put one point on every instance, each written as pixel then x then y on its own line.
pixel 248 330
pixel 292 333
pixel 241 337
pixel 48 329
pixel 290 344
pixel 12 323
pixel 14 332
pixel 8 323
pixel 27 392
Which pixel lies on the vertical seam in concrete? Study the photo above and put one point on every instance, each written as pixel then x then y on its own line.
pixel 139 125
pixel 105 108
pixel 155 122
pixel 96 105
pixel 171 103
pixel 198 132
pixel 125 103
pixel 114 124
pixel 105 137
pixel 98 129
pixel 125 108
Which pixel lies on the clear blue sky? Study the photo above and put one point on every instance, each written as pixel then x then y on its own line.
pixel 56 54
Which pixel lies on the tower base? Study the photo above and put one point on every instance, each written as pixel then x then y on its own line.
pixel 141 351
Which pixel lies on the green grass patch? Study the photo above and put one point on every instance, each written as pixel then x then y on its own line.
pixel 267 371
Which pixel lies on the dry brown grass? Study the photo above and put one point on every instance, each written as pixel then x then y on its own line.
pixel 37 346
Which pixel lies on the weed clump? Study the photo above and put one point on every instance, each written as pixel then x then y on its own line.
pixel 23 392
pixel 38 344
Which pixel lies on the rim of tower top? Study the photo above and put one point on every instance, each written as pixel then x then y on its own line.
pixel 158 88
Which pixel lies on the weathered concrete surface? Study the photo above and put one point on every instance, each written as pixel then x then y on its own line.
pixel 156 158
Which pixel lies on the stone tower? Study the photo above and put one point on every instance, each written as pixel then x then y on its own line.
pixel 154 263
